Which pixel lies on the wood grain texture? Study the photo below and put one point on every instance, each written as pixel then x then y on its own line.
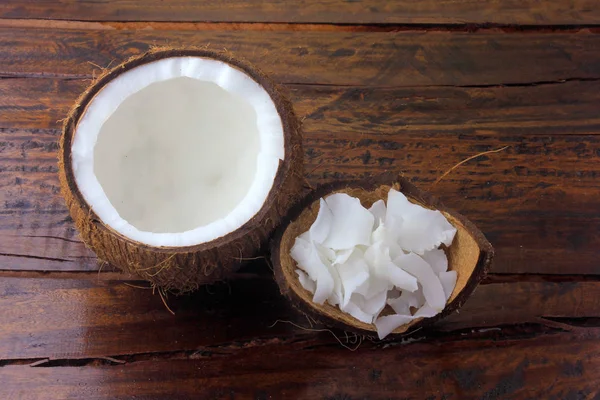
pixel 91 318
pixel 561 366
pixel 377 59
pixel 547 178
pixel 527 12
pixel 374 96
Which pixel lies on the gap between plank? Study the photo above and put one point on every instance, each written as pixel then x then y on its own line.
pixel 306 342
pixel 297 27
pixel 292 85
pixel 112 275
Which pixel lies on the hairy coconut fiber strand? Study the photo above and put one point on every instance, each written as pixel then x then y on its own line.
pixel 454 273
pixel 167 248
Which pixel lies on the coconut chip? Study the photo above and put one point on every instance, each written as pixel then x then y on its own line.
pixel 432 287
pixel 353 273
pixel 415 228
pixel 378 209
pixel 388 323
pixel 319 230
pixel 437 259
pixel 351 224
pixel 448 280
pixel 306 282
pixel 385 259
pixel 306 255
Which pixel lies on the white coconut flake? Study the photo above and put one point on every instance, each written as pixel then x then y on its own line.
pixel 389 323
pixel 395 251
pixel 406 301
pixel 383 236
pixel 380 234
pixel 400 306
pixel 324 288
pixel 432 287
pixel 374 305
pixel 372 286
pixel 378 257
pixel 302 252
pixel 319 230
pixel 351 224
pixel 353 273
pixel 378 209
pixel 305 281
pixel 420 229
pixel 327 255
pixel 448 280
pixel 357 313
pixel 337 294
pixel 400 278
pixel 306 255
pixel 418 296
pixel 377 254
pixel 305 236
pixel 341 256
pixel 437 259
pixel 426 312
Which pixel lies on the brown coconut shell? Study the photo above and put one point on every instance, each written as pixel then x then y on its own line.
pixel 183 269
pixel 470 254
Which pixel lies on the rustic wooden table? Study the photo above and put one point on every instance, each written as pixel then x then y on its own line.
pixel 380 85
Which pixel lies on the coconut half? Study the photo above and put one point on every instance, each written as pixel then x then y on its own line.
pixel 468 258
pixel 178 164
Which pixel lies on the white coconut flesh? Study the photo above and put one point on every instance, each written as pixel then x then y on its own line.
pixel 366 260
pixel 178 152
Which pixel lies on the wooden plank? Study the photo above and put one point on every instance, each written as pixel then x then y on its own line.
pixel 563 366
pixel 88 318
pixel 527 12
pixel 547 178
pixel 336 58
pixel 548 109
pixel 40 234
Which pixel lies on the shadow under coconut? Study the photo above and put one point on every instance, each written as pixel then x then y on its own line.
pixel 248 309
pixel 250 306
pixel 242 308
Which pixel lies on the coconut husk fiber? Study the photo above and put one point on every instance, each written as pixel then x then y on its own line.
pixel 470 254
pixel 183 269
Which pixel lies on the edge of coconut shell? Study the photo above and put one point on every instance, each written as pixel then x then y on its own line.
pixel 183 269
pixel 383 182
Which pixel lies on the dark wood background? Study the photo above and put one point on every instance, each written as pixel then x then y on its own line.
pixel 380 85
